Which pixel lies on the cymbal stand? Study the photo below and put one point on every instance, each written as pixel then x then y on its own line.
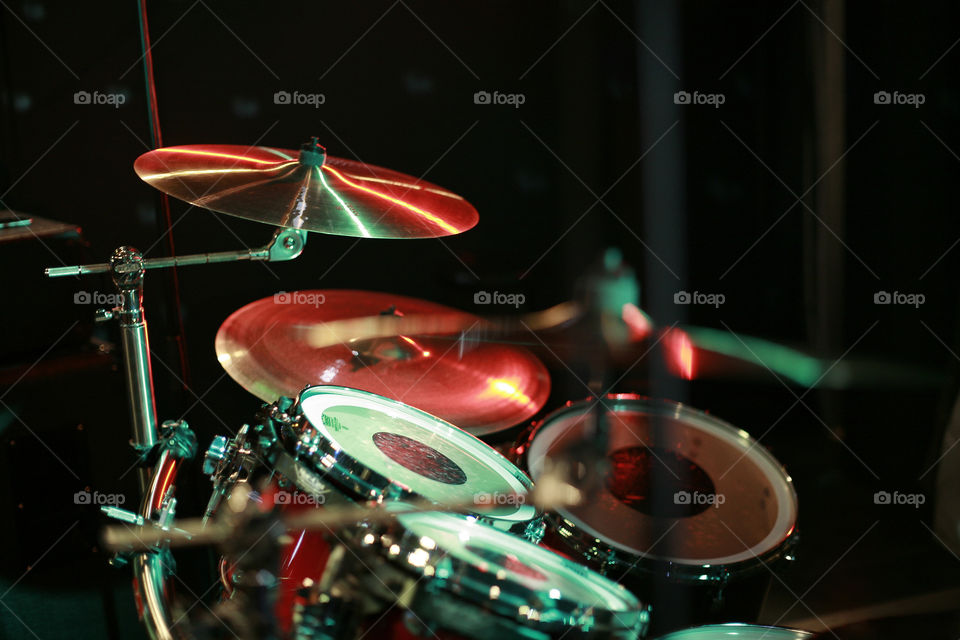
pixel 127 267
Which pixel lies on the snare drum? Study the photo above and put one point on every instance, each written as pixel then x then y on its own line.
pixel 737 631
pixel 455 577
pixel 689 516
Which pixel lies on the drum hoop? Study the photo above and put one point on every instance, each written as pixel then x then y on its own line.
pixel 607 554
pixel 363 483
pixel 472 584
pixel 726 627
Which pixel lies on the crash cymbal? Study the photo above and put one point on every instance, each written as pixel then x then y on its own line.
pixel 307 190
pixel 480 387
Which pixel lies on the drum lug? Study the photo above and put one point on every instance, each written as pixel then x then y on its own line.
pixel 535 531
pixel 610 561
pixel 721 584
pixel 391 493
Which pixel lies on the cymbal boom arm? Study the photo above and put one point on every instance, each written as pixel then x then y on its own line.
pixel 286 244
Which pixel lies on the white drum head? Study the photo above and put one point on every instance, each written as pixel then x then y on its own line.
pixel 736 631
pixel 684 487
pixel 431 458
pixel 548 576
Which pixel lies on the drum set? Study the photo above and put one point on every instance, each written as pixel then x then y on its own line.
pixel 360 500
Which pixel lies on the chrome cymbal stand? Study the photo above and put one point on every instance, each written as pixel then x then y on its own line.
pixel 127 267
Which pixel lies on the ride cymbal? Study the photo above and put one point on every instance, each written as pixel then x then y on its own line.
pixel 307 190
pixel 484 388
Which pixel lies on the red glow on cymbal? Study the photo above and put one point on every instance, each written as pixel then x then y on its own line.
pixel 681 358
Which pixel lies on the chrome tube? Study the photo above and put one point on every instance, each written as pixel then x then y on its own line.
pixel 149 570
pixel 138 374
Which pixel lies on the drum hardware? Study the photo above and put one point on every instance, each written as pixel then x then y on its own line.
pixel 175 436
pixel 127 268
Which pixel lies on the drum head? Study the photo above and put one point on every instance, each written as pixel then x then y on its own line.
pixel 370 443
pixel 738 632
pixel 683 486
pixel 514 577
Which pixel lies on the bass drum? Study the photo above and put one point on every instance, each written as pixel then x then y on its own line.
pixel 690 516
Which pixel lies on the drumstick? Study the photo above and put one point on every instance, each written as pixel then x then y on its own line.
pixel 551 491
pixel 338 332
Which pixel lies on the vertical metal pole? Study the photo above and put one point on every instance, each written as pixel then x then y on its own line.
pixel 126 264
pixel 149 570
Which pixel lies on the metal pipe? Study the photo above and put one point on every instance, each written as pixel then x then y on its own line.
pixel 138 374
pixel 149 570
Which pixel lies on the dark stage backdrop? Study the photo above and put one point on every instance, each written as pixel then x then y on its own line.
pixel 556 174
